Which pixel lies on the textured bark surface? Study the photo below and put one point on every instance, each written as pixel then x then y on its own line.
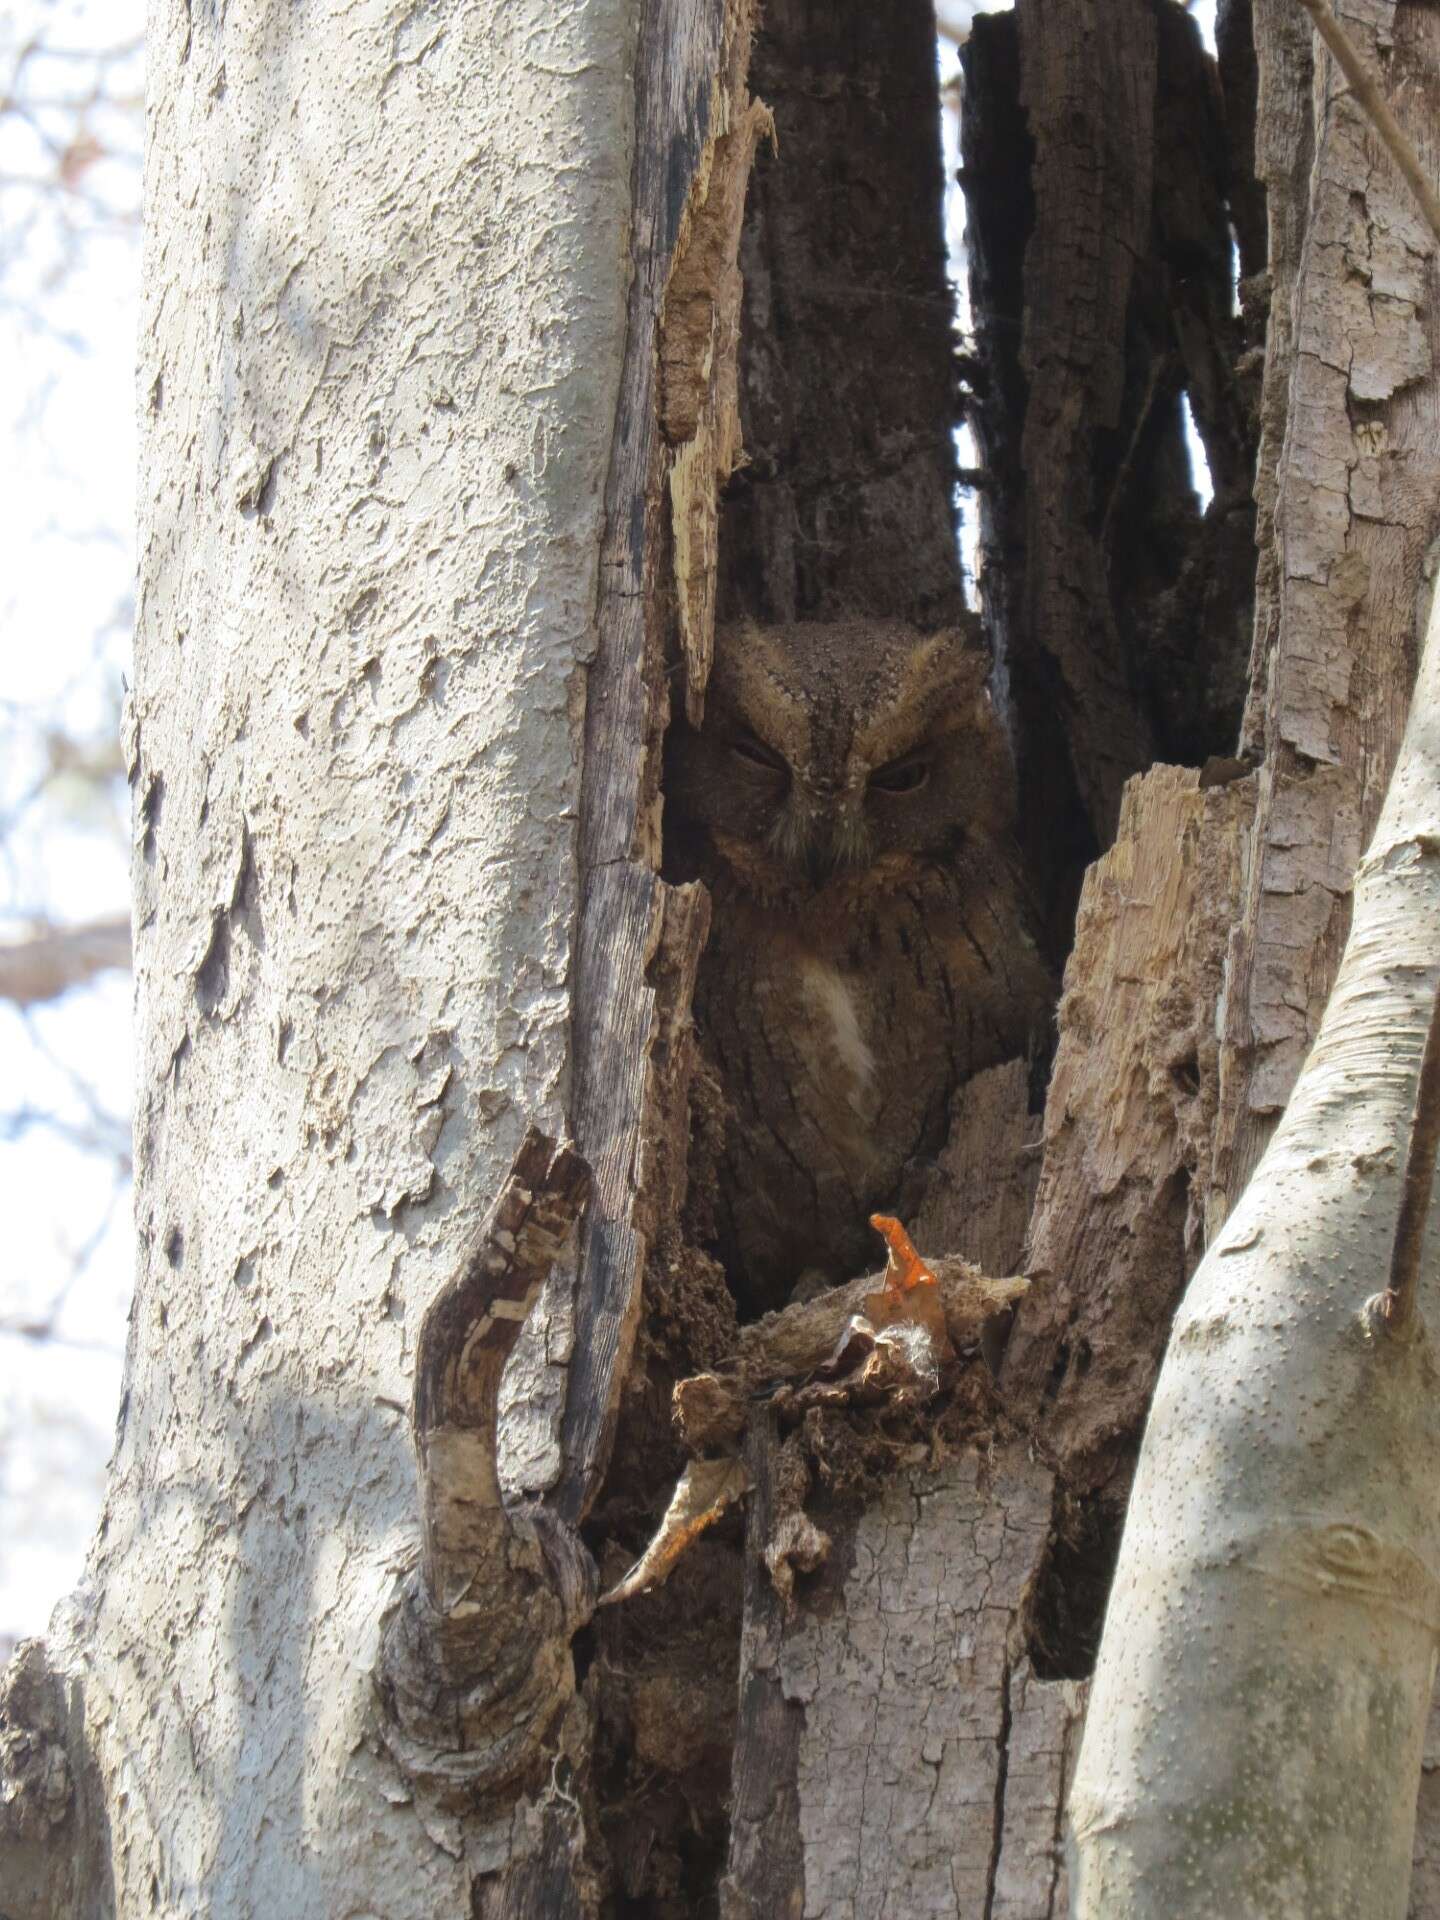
pixel 894 1710
pixel 1346 492
pixel 1425 1878
pixel 1121 1213
pixel 847 395
pixel 1095 166
pixel 1348 480
pixel 977 1202
pixel 401 582
pixel 1284 1506
pixel 640 940
pixel 370 546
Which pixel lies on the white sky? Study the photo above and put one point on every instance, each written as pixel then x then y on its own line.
pixel 68 287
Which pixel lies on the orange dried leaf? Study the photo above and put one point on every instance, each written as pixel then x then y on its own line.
pixel 904 1269
pixel 911 1291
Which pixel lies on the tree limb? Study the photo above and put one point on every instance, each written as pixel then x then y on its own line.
pixel 50 960
pixel 1277 1595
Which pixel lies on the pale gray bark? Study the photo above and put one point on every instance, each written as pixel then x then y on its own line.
pixel 382 357
pixel 385 283
pixel 1258 1713
pixel 905 1683
pixel 1348 481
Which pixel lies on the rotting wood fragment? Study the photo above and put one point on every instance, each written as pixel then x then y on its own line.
pixel 1121 1213
pixel 1100 258
pixel 712 1408
pixel 699 342
pixel 706 1489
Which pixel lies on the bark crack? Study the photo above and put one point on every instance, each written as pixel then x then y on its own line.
pixel 1002 1773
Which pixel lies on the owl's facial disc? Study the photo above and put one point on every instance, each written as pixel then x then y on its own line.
pixel 819 830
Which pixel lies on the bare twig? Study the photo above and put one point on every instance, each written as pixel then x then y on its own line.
pixel 1366 89
pixel 51 960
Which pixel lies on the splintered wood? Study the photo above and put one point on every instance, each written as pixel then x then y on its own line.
pixel 1120 1214
pixel 699 349
pixel 711 1409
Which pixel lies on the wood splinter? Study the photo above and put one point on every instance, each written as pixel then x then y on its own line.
pixel 476 1668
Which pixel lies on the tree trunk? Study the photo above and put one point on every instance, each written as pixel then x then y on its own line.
pixel 380 364
pixel 1276 1594
pixel 480 383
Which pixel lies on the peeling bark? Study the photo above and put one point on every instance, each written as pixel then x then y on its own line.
pixel 1122 1209
pixel 640 940
pixel 475 1669
pixel 1346 517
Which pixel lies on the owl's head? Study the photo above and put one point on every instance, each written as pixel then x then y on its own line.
pixel 832 751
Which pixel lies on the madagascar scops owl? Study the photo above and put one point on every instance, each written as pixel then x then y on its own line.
pixel 848 801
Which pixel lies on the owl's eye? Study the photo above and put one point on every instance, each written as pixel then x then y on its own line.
pixel 747 748
pixel 901 776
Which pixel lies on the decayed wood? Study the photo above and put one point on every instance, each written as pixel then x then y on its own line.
pixel 712 1408
pixel 699 352
pixel 1120 1214
pixel 690 93
pixel 706 1489
pixel 978 1201
pixel 844 506
pixel 1239 81
pixel 1349 514
pixel 1092 177
pixel 764 1873
pixel 1101 253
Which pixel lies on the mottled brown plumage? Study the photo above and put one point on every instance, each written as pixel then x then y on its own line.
pixel 848 802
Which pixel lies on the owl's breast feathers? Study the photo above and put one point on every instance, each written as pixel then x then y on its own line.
pixel 841 1024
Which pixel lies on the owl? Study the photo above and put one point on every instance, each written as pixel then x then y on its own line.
pixel 848 802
